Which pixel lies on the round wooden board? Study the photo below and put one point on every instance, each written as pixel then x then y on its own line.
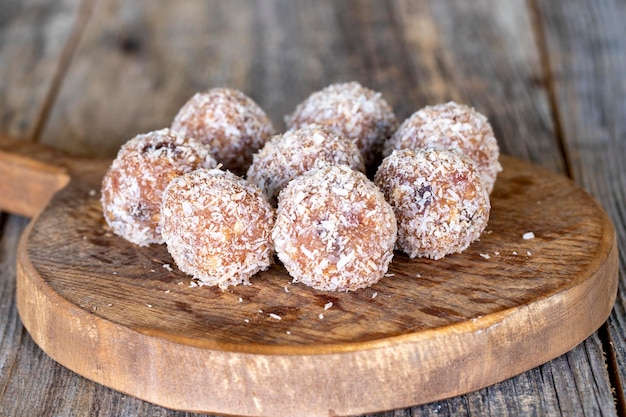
pixel 125 317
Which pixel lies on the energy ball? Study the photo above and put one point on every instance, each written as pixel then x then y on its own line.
pixel 297 151
pixel 217 227
pixel 451 126
pixel 133 185
pixel 229 122
pixel 351 110
pixel 334 231
pixel 440 202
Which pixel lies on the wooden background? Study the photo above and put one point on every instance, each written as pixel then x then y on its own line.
pixel 85 76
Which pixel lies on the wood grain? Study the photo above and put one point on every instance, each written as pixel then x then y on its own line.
pixel 417 51
pixel 590 68
pixel 33 37
pixel 431 330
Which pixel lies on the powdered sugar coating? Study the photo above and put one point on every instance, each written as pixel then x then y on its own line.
pixel 134 183
pixel 217 227
pixel 351 110
pixel 297 151
pixel 451 126
pixel 439 200
pixel 334 230
pixel 229 122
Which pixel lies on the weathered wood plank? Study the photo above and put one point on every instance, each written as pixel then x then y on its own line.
pixel 588 62
pixel 31 383
pixel 483 54
pixel 139 61
pixel 33 37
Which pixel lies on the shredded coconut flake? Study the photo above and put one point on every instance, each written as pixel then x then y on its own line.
pixel 451 126
pixel 228 122
pixel 328 305
pixel 275 316
pixel 438 198
pixel 351 110
pixel 330 241
pixel 528 236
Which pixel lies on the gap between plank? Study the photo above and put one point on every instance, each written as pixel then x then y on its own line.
pixel 611 362
pixel 549 82
pixel 78 28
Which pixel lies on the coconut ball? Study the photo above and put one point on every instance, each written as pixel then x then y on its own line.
pixel 451 126
pixel 217 227
pixel 229 122
pixel 334 231
pixel 351 110
pixel 297 151
pixel 134 183
pixel 439 200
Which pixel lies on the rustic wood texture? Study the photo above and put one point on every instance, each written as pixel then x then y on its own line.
pixel 451 326
pixel 33 36
pixel 484 53
pixel 589 67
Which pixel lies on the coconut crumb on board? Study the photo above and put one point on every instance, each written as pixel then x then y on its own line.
pixel 275 316
pixel 528 236
pixel 485 255
pixel 328 305
pixel 168 267
pixel 374 294
pixel 321 316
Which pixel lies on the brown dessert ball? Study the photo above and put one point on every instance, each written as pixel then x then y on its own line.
pixel 351 110
pixel 439 199
pixel 229 122
pixel 334 231
pixel 451 126
pixel 217 227
pixel 297 151
pixel 133 185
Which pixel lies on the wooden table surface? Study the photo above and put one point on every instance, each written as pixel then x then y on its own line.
pixel 85 76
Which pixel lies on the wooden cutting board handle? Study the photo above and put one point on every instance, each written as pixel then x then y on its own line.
pixel 31 173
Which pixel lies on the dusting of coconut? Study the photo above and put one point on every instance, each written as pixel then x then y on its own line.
pixel 334 231
pixel 134 183
pixel 229 122
pixel 217 227
pixel 297 151
pixel 439 200
pixel 351 110
pixel 451 126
